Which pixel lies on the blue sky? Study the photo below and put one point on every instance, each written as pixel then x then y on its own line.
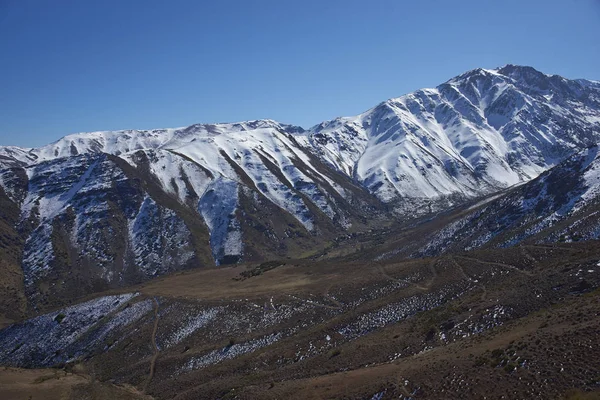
pixel 74 66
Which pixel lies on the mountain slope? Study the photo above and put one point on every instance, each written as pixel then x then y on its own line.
pixel 524 325
pixel 561 205
pixel 89 222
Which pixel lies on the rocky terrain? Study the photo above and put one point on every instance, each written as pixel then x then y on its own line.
pixel 522 322
pixel 561 205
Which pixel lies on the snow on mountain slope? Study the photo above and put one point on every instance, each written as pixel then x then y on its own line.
pixel 208 164
pixel 218 206
pixel 477 133
pixel 121 207
pixel 86 215
pixel 209 151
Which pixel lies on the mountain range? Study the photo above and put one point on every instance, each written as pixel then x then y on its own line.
pixel 443 244
pixel 95 211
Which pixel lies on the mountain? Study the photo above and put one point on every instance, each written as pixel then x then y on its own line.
pixel 101 210
pixel 561 205
pixel 479 132
pixel 108 209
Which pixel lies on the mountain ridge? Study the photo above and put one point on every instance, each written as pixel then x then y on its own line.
pixel 492 71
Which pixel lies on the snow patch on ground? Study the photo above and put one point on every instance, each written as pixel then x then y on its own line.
pixel 42 341
pixel 191 325
pixel 232 351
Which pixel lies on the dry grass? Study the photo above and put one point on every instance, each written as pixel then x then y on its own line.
pixel 48 384
pixel 226 283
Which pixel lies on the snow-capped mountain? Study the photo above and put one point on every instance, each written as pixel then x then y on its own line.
pixel 108 209
pixel 112 208
pixel 477 133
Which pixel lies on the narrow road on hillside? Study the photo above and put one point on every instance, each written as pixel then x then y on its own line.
pixel 467 277
pixel 317 304
pixel 404 281
pixel 527 255
pixel 552 247
pixel 332 299
pixel 497 264
pixel 433 272
pixel 154 346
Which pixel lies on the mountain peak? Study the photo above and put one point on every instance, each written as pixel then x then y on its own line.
pixel 478 72
pixel 520 72
pixel 513 71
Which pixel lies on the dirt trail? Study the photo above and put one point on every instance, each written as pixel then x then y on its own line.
pixel 404 281
pixel 512 267
pixel 552 247
pixel 154 346
pixel 467 277
pixel 332 299
pixel 433 272
pixel 527 255
pixel 317 304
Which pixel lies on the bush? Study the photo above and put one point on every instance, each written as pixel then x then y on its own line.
pixel 335 353
pixel 510 367
pixel 497 353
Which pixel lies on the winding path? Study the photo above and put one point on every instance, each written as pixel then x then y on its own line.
pixel 467 277
pixel 527 255
pixel 154 346
pixel 498 265
pixel 552 247
pixel 433 272
pixel 315 303
pixel 404 281
pixel 332 299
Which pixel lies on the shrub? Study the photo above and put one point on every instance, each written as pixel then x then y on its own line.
pixel 335 353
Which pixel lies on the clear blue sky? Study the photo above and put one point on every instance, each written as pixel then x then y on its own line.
pixel 85 65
